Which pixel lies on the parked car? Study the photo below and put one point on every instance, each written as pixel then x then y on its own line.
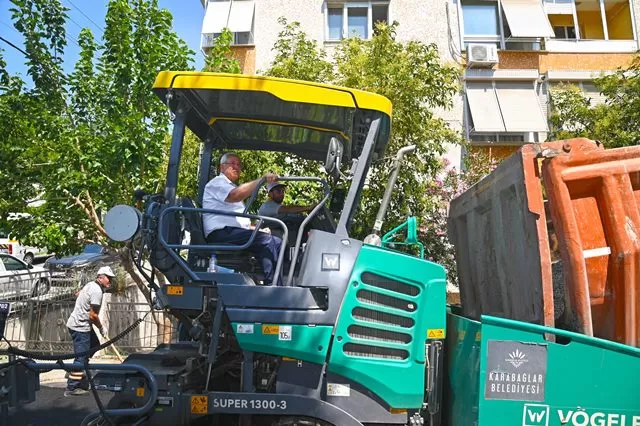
pixel 81 266
pixel 19 280
pixel 13 247
pixel 92 254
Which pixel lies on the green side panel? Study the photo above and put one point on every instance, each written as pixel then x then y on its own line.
pixel 462 363
pixel 575 380
pixel 303 342
pixel 392 302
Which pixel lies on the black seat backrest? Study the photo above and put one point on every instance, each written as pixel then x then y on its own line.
pixel 193 223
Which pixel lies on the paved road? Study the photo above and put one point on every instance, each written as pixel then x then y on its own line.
pixel 52 408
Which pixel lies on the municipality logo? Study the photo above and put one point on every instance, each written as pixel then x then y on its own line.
pixel 517 358
pixel 535 415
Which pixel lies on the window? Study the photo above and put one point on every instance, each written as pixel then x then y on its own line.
pixel 497 137
pixel 239 39
pixel 334 22
pixel 480 18
pixel 357 22
pixel 354 19
pixel 503 112
pixel 238 16
pixel 565 32
pixel 516 25
pixel 11 264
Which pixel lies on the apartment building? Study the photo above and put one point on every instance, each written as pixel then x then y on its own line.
pixel 512 51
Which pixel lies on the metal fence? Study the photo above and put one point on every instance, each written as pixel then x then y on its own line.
pixel 37 321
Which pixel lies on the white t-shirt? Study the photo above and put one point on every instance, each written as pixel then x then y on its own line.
pixel 91 294
pixel 215 194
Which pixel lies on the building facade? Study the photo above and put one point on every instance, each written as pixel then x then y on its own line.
pixel 513 52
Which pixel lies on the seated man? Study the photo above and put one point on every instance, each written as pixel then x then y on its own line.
pixel 273 206
pixel 288 214
pixel 221 193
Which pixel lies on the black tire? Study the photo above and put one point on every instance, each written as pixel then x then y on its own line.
pixel 42 287
pixel 28 258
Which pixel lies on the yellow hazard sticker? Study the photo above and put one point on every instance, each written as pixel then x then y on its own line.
pixel 270 329
pixel 175 290
pixel 478 336
pixel 199 404
pixel 140 392
pixel 435 333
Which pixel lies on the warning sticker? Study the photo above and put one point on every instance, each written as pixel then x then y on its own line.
pixel 244 329
pixel 284 332
pixel 199 404
pixel 270 329
pixel 140 392
pixel 338 389
pixel 435 333
pixel 175 290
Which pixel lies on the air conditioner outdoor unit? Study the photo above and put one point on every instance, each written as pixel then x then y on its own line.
pixel 482 54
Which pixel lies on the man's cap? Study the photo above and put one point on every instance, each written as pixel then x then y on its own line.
pixel 106 270
pixel 275 185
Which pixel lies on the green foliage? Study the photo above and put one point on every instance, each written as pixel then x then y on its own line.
pixel 298 57
pixel 615 123
pixel 220 58
pixel 416 81
pixel 82 142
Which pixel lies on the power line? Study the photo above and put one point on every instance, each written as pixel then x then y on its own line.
pixel 14 46
pixel 85 15
pixel 68 37
pixel 72 20
pixel 10 26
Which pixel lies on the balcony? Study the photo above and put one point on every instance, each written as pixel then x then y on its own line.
pixel 591 46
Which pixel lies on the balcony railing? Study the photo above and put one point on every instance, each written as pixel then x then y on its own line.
pixel 591 46
pixel 239 39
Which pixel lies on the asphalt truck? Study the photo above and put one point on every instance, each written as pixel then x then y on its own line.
pixel 356 332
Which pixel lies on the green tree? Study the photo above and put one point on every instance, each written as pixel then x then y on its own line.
pixel 416 81
pixel 220 58
pixel 615 123
pixel 82 142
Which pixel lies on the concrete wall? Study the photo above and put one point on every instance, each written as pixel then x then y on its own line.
pixel 545 61
pixel 308 13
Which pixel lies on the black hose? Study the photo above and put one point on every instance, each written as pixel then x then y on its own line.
pixel 46 357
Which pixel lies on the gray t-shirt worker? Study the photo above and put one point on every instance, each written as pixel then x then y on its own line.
pixel 273 206
pixel 85 313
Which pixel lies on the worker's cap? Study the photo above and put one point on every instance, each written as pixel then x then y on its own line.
pixel 275 185
pixel 105 270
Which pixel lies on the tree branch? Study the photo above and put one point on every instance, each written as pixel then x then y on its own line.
pixel 94 214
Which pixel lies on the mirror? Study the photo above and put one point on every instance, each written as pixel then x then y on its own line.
pixel 334 157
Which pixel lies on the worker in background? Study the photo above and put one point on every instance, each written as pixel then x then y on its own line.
pixel 222 193
pixel 84 315
pixel 273 207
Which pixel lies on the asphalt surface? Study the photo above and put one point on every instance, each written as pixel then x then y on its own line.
pixel 52 408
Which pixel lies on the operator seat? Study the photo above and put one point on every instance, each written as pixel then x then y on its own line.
pixel 234 259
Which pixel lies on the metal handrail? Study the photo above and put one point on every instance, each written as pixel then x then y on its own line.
pixel 119 412
pixel 310 216
pixel 222 247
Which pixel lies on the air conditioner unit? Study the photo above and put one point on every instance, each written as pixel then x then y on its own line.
pixel 482 54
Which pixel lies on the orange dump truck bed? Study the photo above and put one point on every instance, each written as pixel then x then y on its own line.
pixel 503 250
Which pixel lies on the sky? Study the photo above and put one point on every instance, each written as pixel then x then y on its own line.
pixel 187 23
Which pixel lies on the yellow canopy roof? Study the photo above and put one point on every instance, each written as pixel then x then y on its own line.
pixel 267 113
